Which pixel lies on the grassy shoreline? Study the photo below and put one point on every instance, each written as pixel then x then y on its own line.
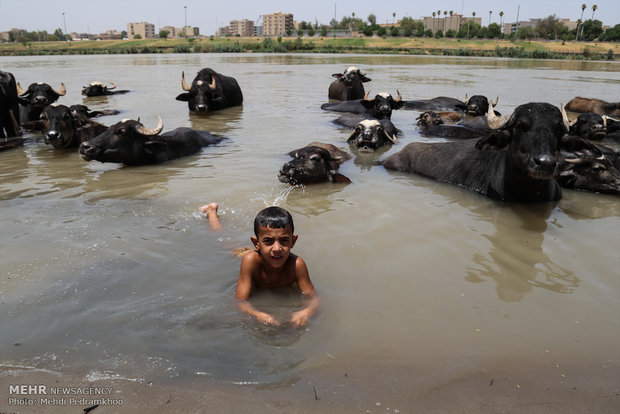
pixel 400 45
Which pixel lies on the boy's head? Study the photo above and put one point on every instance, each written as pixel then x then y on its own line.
pixel 273 217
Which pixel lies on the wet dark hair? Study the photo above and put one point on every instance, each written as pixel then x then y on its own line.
pixel 273 217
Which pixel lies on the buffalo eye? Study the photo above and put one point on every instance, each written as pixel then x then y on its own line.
pixel 121 130
pixel 315 157
pixel 43 116
pixel 67 116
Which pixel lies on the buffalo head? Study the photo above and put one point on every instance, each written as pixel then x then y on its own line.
pixel 40 94
pixel 369 135
pixel 313 164
pixel 351 76
pixel 97 89
pixel 127 142
pixel 382 104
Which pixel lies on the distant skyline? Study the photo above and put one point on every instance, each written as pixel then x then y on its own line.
pixel 86 16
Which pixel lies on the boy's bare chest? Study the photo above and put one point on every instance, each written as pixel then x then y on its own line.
pixel 270 280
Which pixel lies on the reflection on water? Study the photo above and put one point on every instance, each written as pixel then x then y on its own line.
pixel 516 261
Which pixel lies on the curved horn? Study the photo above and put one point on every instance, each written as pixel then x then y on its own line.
pixel 494 104
pixel 183 84
pixel 62 91
pixel 399 98
pixel 494 121
pixel 354 134
pixel 565 120
pixel 112 87
pixel 212 84
pixel 366 96
pixel 466 99
pixel 20 91
pixel 154 131
pixel 392 138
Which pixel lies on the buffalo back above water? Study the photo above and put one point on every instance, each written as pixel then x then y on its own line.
pixel 9 106
pixel 519 162
pixel 210 91
pixel 128 142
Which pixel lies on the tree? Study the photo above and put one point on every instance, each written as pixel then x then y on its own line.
pixel 137 36
pixel 490 13
pixel 493 31
pixel 526 32
pixel 445 13
pixel 394 31
pixel 593 10
pixel 434 14
pixel 311 31
pixel 163 34
pixel 550 28
pixel 501 24
pixel 611 35
pixel 438 34
pixel 393 17
pixel 583 7
pixel 372 19
pixel 592 29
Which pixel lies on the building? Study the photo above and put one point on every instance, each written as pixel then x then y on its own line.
pixel 145 30
pixel 277 24
pixel 448 22
pixel 242 28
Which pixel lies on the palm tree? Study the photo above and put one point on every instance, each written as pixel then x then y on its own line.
pixel 501 24
pixel 473 15
pixel 445 13
pixel 451 13
pixel 393 17
pixel 580 21
pixel 490 13
pixel 433 30
pixel 593 10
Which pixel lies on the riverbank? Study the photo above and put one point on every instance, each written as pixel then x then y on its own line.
pixel 415 46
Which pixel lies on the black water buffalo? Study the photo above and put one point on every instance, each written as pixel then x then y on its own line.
pixel 130 143
pixel 62 128
pixel 83 110
pixel 476 105
pixel 348 85
pixel 315 163
pixel 589 167
pixel 519 162
pixel 369 135
pixel 353 120
pixel 597 106
pixel 380 107
pixel 589 125
pixel 99 89
pixel 35 98
pixel 432 125
pixel 210 91
pixel 9 106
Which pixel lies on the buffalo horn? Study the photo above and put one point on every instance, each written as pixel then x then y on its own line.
pixel 183 84
pixel 354 134
pixel 366 96
pixel 466 99
pixel 392 138
pixel 494 104
pixel 62 91
pixel 494 121
pixel 212 84
pixel 565 121
pixel 573 160
pixel 399 98
pixel 112 87
pixel 20 91
pixel 154 131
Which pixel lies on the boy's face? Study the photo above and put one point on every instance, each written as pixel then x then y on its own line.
pixel 274 245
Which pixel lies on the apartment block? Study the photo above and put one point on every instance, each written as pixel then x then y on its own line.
pixel 243 28
pixel 145 30
pixel 276 24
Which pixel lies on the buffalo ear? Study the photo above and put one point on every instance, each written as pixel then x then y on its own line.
pixel 398 104
pixel 579 147
pixel 153 147
pixel 335 177
pixel 368 104
pixel 365 79
pixel 496 140
pixel 183 97
pixel 337 75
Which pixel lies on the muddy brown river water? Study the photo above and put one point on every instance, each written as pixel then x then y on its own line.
pixel 110 272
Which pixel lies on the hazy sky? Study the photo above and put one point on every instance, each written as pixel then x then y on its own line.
pixel 99 16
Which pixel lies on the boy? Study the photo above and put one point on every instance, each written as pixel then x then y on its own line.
pixel 271 265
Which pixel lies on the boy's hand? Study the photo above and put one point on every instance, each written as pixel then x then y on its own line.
pixel 300 318
pixel 267 319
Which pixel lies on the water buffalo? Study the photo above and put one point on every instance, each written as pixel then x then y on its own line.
pixel 432 125
pixel 597 106
pixel 476 105
pixel 130 143
pixel 589 125
pixel 369 135
pixel 99 89
pixel 35 98
pixel 381 106
pixel 518 162
pixel 316 162
pixel 210 91
pixel 348 85
pixel 62 128
pixel 83 110
pixel 589 167
pixel 9 106
pixel 437 118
